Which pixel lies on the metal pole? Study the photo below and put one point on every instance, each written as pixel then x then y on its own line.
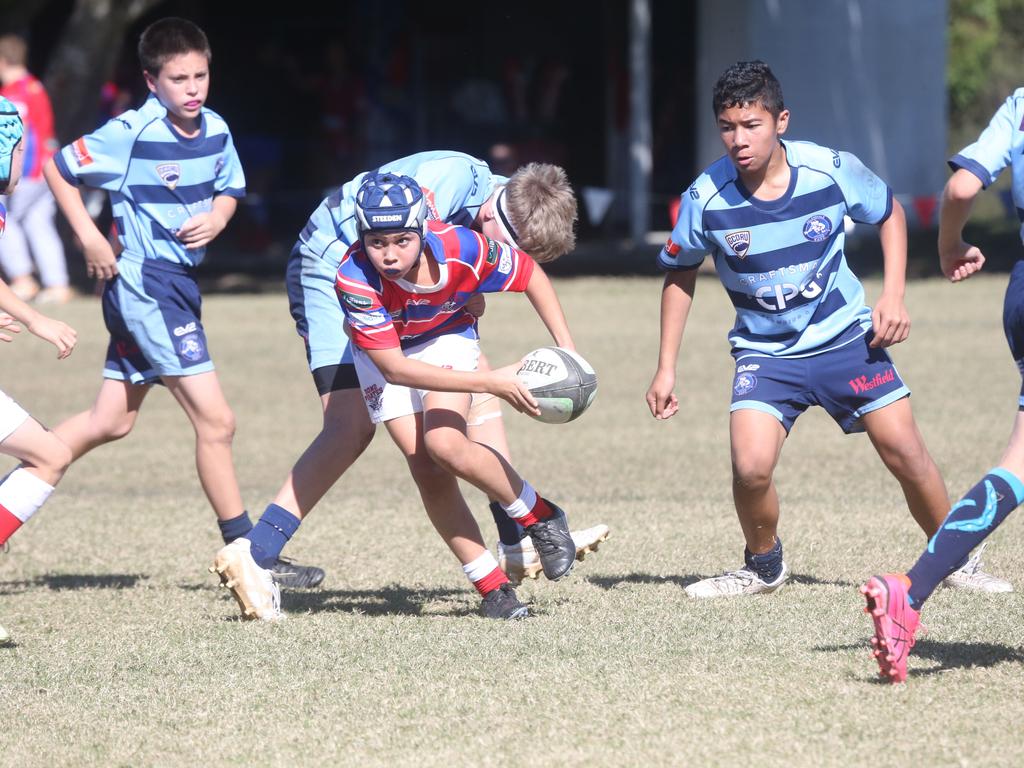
pixel 639 119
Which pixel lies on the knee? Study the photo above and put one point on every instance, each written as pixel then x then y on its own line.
pixel 751 474
pixel 218 427
pixel 58 455
pixel 909 459
pixel 117 428
pixel 427 473
pixel 448 450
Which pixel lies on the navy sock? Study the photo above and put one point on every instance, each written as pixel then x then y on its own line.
pixel 509 531
pixel 767 566
pixel 968 523
pixel 235 528
pixel 271 533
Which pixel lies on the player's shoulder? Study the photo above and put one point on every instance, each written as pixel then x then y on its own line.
pixel 706 187
pixel 131 123
pixel 807 154
pixel 451 242
pixel 214 122
pixel 356 269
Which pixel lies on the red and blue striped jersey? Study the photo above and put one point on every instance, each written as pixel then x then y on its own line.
pixel 383 314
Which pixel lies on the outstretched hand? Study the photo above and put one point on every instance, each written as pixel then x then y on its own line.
pixel 8 325
pixel 60 334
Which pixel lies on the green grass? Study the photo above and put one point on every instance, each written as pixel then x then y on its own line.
pixel 128 653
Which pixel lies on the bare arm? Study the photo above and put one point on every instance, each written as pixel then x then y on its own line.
pixel 403 371
pixel 676 300
pixel 200 229
pixel 61 335
pixel 889 318
pixel 100 261
pixel 542 295
pixel 958 260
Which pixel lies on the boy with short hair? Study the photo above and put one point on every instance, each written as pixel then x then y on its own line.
pixel 403 287
pixel 771 214
pixel 895 600
pixel 44 458
pixel 32 237
pixel 174 179
pixel 534 209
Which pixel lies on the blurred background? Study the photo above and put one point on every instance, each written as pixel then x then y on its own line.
pixel 616 91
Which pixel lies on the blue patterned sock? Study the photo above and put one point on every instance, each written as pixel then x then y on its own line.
pixel 509 531
pixel 968 523
pixel 271 533
pixel 767 566
pixel 235 528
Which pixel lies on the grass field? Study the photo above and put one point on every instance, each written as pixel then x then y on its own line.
pixel 128 654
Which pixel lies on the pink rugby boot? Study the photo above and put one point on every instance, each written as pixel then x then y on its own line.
pixel 895 623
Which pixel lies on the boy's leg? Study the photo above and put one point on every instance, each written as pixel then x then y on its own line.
pixel 516 553
pixel 44 459
pixel 444 425
pixel 203 401
pixel 111 417
pixel 756 439
pixel 895 435
pixel 451 518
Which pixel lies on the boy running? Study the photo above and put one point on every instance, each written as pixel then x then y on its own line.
pixel 771 214
pixel 44 458
pixel 174 181
pixel 403 288
pixel 895 600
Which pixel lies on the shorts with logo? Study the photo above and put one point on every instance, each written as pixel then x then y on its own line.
pixel 152 310
pixel 385 402
pixel 319 320
pixel 12 416
pixel 1013 321
pixel 847 381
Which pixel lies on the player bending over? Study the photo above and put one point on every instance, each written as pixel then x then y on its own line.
pixel 771 215
pixel 43 457
pixel 533 211
pixel 416 362
pixel 895 600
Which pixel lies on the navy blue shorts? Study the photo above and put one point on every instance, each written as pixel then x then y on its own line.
pixel 152 311
pixel 848 382
pixel 1013 321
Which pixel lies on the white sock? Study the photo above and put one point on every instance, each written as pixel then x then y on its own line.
pixel 22 493
pixel 522 506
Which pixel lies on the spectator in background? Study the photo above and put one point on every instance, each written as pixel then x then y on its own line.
pixel 31 242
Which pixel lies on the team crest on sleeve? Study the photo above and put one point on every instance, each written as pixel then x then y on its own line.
pixel 356 301
pixel 672 248
pixel 170 174
pixel 739 242
pixel 81 152
pixel 492 251
pixel 745 382
pixel 817 228
pixel 505 265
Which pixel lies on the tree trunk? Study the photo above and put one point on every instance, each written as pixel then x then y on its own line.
pixel 84 59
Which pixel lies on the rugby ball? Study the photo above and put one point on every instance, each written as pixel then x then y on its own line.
pixel 562 383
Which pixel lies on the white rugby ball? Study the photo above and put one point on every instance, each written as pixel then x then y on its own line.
pixel 562 383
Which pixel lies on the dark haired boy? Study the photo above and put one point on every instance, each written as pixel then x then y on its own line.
pixel 771 215
pixel 174 179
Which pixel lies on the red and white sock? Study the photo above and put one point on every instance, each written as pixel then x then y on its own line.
pixel 529 508
pixel 21 494
pixel 485 574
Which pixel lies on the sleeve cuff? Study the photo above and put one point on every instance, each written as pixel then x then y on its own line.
pixel 65 172
pixel 958 162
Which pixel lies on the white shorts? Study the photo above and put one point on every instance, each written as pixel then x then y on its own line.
pixel 385 402
pixel 12 416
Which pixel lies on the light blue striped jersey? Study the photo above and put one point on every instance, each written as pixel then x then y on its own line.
pixel 1000 144
pixel 157 179
pixel 781 261
pixel 454 184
